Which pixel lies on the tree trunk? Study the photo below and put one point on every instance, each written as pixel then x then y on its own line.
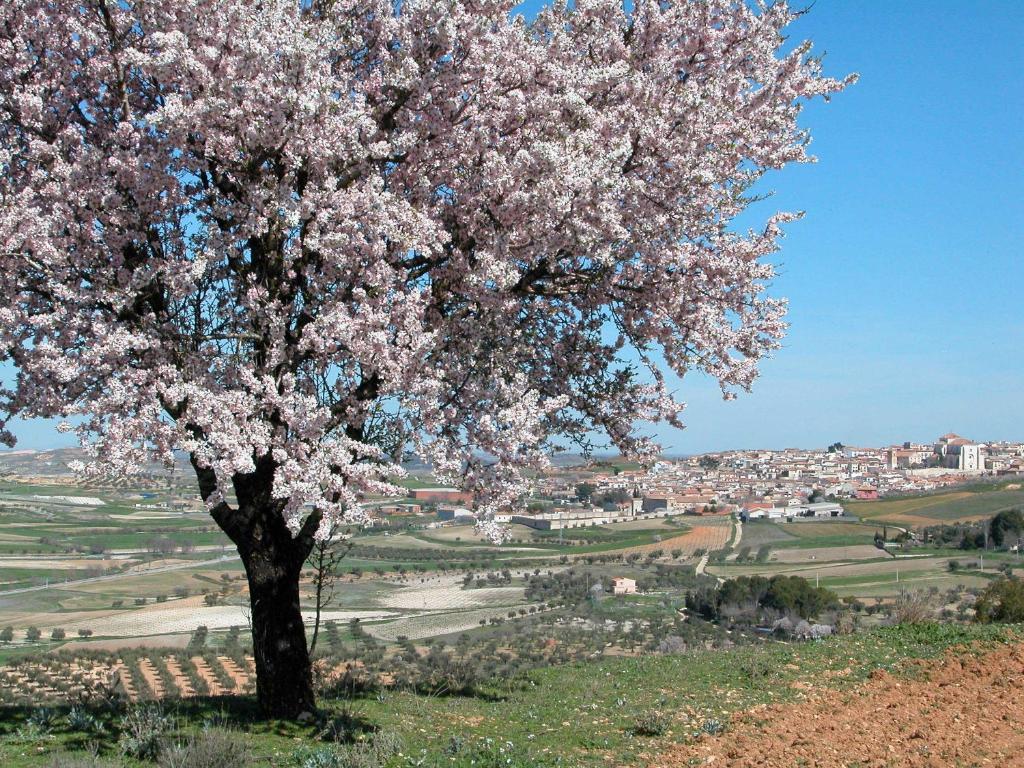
pixel 284 684
pixel 273 557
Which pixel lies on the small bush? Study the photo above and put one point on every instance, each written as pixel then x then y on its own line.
pixel 651 723
pixel 142 730
pixel 207 749
pixel 42 718
pixel 913 607
pixel 712 727
pixel 672 644
pixel 83 722
pixel 374 753
pixel 76 761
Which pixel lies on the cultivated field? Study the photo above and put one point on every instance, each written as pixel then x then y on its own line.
pixel 864 577
pixel 946 507
pixel 705 534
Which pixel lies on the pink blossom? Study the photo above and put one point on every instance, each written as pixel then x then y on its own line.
pixel 311 236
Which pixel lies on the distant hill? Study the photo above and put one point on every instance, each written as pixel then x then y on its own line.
pixel 53 463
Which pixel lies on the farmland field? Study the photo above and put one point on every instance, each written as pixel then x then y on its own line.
pixel 813 534
pixel 853 572
pixel 947 507
pixel 827 553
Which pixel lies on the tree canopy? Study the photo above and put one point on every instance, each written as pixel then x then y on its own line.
pixel 306 236
pixel 297 240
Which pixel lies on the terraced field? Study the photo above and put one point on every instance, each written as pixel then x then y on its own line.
pixel 160 674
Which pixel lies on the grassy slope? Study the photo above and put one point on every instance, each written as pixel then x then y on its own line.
pixel 580 715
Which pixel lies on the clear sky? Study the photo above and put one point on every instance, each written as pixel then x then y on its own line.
pixel 906 277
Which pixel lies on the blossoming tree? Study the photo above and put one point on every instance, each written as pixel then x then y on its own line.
pixel 294 240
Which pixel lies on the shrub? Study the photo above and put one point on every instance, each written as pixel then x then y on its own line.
pixel 142 729
pixel 81 721
pixel 1002 601
pixel 912 607
pixel 712 727
pixel 374 753
pixel 212 748
pixel 672 644
pixel 76 761
pixel 651 723
pixel 42 718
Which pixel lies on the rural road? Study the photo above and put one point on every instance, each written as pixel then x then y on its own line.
pixel 699 570
pixel 127 575
pixel 735 546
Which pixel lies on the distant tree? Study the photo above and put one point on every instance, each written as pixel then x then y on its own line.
pixel 32 634
pixel 6 635
pixel 816 495
pixel 973 540
pixel 58 634
pixel 584 491
pixel 710 462
pixel 1007 522
pixel 85 633
pixel 612 496
pixel 836 447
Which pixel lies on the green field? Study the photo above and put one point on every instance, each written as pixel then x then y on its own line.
pixel 944 507
pixel 760 533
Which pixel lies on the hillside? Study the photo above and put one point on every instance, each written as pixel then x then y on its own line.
pixel 925 695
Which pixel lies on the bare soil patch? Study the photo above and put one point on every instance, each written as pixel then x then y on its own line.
pixel 707 536
pixel 128 643
pixel 961 710
pixel 447 593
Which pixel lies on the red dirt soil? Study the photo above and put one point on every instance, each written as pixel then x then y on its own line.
pixel 959 711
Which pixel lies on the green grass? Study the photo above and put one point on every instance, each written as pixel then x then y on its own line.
pixel 943 507
pixel 575 715
pixel 804 535
pixel 840 540
pixel 758 533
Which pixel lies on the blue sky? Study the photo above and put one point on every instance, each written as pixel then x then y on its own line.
pixel 905 277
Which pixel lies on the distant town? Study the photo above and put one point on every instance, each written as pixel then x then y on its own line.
pixel 749 483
